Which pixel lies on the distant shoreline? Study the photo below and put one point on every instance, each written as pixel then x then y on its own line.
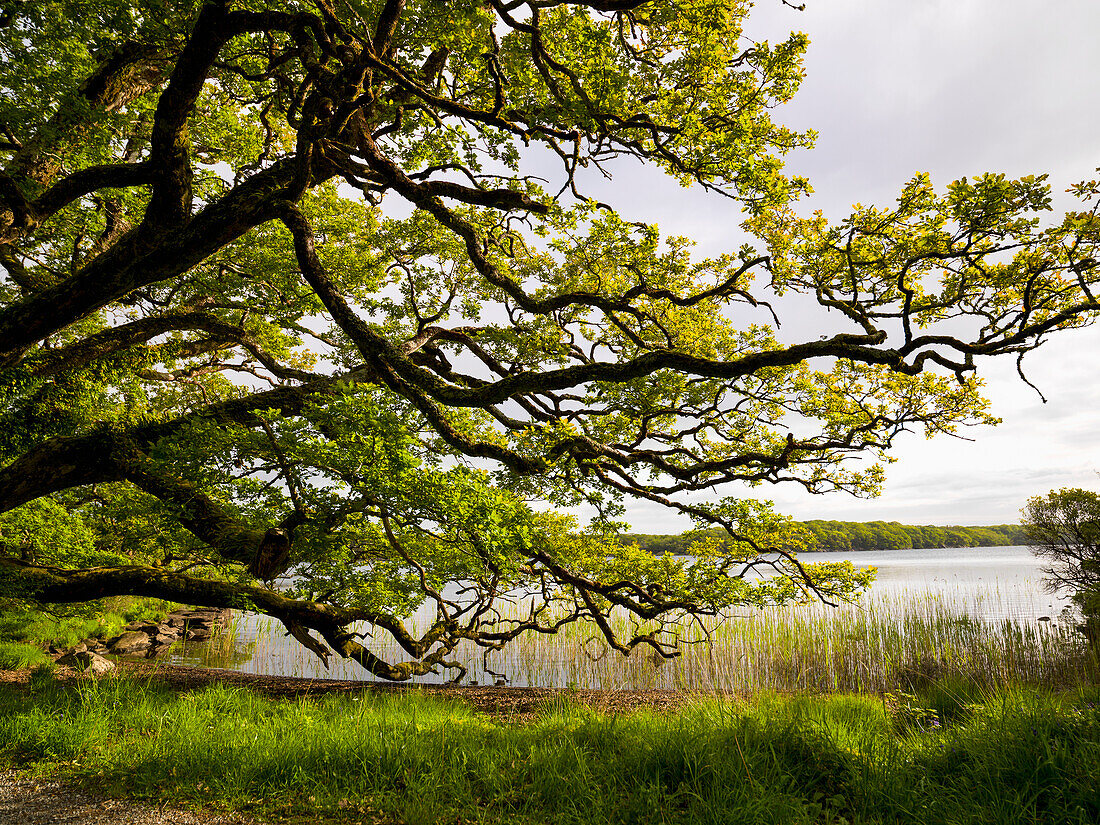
pixel 857 536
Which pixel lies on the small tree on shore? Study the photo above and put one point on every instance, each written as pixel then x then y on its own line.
pixel 1064 528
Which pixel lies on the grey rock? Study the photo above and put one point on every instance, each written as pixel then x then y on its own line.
pixel 88 662
pixel 143 627
pixel 151 640
pixel 130 642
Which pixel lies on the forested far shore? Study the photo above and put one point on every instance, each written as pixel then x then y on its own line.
pixel 858 535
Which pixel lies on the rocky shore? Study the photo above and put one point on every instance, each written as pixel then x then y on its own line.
pixel 145 639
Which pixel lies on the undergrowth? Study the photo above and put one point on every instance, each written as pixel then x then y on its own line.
pixel 20 623
pixel 1014 756
pixel 17 655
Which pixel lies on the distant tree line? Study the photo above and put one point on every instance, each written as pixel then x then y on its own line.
pixel 890 535
pixel 859 535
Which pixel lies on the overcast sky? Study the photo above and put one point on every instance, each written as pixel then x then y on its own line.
pixel 952 88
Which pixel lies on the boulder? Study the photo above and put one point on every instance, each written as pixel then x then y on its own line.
pixel 150 639
pixel 88 662
pixel 142 627
pixel 130 643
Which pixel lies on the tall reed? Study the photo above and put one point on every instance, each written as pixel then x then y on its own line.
pixel 885 644
pixel 889 642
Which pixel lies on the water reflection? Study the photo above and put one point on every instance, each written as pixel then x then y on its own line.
pixel 229 648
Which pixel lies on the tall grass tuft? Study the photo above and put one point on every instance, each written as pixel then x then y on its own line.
pixel 18 655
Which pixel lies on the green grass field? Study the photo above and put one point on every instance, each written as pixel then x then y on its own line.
pixel 956 754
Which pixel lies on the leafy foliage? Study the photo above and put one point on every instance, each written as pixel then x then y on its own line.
pixel 316 288
pixel 1064 527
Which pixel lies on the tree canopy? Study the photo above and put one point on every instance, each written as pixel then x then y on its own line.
pixel 313 287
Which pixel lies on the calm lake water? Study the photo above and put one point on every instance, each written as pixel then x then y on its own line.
pixel 985 584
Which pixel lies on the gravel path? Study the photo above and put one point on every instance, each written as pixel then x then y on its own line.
pixel 28 800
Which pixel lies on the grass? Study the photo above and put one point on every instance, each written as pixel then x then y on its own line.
pixel 21 624
pixel 887 643
pixel 900 711
pixel 899 642
pixel 1019 755
pixel 18 655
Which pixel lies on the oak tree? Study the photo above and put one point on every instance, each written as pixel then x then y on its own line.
pixel 305 311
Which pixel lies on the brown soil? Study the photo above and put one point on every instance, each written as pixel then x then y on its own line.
pixel 509 703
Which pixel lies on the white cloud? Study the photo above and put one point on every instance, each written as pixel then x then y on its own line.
pixel 954 88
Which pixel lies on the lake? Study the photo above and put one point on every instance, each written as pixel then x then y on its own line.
pixel 986 582
pixel 985 585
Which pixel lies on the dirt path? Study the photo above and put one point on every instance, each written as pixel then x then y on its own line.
pixel 28 800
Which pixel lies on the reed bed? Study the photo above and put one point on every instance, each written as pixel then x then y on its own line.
pixel 886 644
pixel 898 641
